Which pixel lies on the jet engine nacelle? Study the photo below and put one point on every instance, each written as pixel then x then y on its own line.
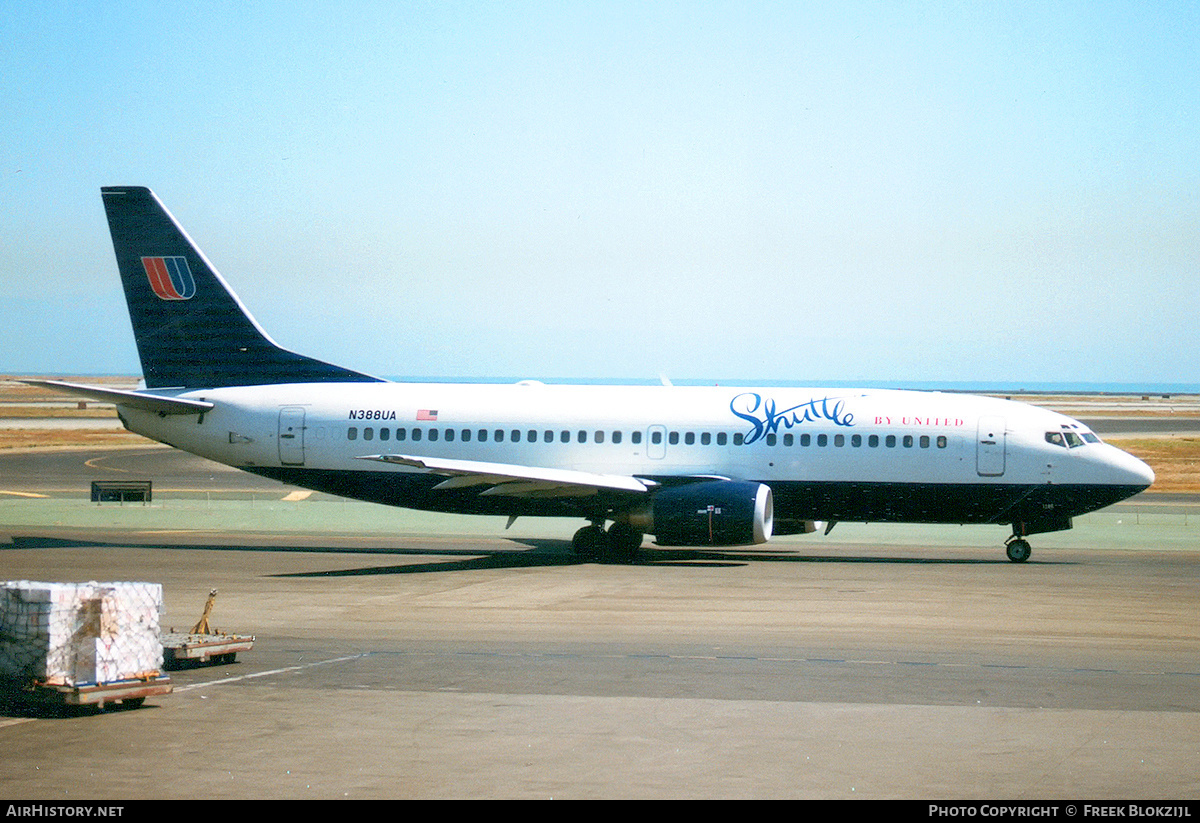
pixel 708 513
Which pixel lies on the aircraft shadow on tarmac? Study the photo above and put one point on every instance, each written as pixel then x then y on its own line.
pixel 514 554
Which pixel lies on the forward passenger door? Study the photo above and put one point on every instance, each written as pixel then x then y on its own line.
pixel 990 445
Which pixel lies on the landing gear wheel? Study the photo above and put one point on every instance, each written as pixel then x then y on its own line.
pixel 590 543
pixel 623 543
pixel 1018 550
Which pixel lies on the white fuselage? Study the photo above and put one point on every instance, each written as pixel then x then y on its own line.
pixel 776 436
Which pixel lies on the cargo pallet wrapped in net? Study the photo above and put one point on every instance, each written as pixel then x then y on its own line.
pixel 82 643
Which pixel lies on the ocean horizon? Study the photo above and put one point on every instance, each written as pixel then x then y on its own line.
pixel 957 386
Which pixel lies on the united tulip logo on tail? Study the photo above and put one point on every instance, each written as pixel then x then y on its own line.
pixel 170 277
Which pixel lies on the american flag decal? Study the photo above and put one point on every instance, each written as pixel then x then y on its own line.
pixel 170 277
pixel 427 414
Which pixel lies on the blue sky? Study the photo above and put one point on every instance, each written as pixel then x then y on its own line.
pixel 737 191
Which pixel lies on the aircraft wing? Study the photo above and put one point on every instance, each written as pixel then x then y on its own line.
pixel 510 480
pixel 158 403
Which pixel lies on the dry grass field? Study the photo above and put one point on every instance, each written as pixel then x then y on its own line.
pixel 70 423
pixel 65 438
pixel 1175 460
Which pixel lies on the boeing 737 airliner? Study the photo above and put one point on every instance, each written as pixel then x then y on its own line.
pixel 691 466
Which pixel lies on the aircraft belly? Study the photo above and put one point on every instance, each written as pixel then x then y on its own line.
pixel 940 502
pixel 825 501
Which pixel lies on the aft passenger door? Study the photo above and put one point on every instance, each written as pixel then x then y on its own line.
pixel 990 447
pixel 291 435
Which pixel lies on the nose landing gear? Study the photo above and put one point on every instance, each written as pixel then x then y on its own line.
pixel 1017 548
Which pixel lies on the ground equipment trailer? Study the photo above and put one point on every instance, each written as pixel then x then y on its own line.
pixel 126 694
pixel 203 644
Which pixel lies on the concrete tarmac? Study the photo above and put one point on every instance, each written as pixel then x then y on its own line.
pixel 401 655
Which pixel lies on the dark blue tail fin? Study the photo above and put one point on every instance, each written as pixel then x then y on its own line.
pixel 191 329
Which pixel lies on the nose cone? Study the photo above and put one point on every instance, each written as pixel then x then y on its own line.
pixel 1127 470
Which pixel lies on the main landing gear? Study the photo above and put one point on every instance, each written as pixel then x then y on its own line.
pixel 619 544
pixel 1017 548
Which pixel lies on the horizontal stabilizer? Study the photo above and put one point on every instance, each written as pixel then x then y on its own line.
pixel 477 472
pixel 157 403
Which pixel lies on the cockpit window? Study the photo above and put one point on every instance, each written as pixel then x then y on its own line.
pixel 1071 440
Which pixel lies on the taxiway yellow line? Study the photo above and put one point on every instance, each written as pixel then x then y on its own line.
pixel 91 464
